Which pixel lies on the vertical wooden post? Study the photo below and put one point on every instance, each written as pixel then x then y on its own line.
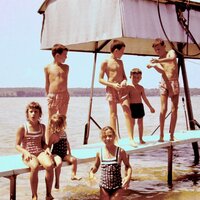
pixel 170 164
pixel 13 187
pixel 181 64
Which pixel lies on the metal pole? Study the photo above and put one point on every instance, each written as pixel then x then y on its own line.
pixel 87 126
pixel 181 64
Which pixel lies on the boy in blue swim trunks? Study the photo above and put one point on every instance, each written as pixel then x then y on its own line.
pixel 136 95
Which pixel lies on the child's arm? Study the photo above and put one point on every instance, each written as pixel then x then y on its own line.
pixel 171 56
pixel 158 67
pixel 46 80
pixel 127 178
pixel 68 148
pixel 95 168
pixel 146 101
pixel 124 82
pixel 103 69
pixel 19 137
pixel 46 146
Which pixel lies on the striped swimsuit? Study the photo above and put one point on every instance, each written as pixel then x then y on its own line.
pixel 111 179
pixel 33 140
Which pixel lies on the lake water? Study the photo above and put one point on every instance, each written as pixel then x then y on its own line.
pixel 149 169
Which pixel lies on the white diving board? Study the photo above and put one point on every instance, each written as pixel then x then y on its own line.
pixel 12 166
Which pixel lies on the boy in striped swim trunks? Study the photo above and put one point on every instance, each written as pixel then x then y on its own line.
pixel 116 89
pixel 167 65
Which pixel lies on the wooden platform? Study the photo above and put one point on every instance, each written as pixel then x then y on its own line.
pixel 12 166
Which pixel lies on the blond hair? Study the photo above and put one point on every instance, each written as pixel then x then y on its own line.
pixel 57 123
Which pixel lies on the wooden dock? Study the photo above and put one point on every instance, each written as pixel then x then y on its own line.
pixel 12 166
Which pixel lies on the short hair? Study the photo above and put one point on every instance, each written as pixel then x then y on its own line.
pixel 33 105
pixel 58 48
pixel 158 41
pixel 57 123
pixel 135 71
pixel 116 44
pixel 104 129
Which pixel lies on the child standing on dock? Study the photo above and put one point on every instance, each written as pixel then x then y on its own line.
pixel 116 90
pixel 30 141
pixel 136 95
pixel 166 64
pixel 56 80
pixel 110 157
pixel 61 150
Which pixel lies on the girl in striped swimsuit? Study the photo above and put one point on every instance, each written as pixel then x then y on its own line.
pixel 30 141
pixel 110 158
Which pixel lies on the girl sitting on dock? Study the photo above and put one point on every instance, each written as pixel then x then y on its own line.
pixel 110 157
pixel 30 141
pixel 61 150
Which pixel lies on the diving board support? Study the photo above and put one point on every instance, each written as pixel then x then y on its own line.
pixel 181 64
pixel 170 165
pixel 12 179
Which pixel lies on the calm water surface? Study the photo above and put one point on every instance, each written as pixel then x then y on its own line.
pixel 149 168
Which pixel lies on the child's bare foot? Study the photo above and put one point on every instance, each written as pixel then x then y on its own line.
pixel 133 143
pixel 57 186
pixel 142 142
pixel 49 197
pixel 76 178
pixel 161 140
pixel 172 138
pixel 34 198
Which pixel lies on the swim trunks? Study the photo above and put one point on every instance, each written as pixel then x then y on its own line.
pixel 116 96
pixel 137 110
pixel 58 101
pixel 174 84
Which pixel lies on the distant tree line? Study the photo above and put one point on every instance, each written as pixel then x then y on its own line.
pixel 76 92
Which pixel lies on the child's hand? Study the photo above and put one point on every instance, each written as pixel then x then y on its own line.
pixel 154 60
pixel 152 110
pixel 123 83
pixel 27 156
pixel 125 182
pixel 91 175
pixel 47 151
pixel 117 86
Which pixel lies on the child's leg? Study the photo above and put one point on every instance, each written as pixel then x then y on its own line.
pixel 140 128
pixel 48 164
pixel 113 114
pixel 104 194
pixel 117 195
pixel 129 121
pixel 174 109
pixel 34 166
pixel 58 161
pixel 72 160
pixel 163 111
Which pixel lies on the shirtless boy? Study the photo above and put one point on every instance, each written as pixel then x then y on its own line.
pixel 56 77
pixel 136 96
pixel 166 64
pixel 116 86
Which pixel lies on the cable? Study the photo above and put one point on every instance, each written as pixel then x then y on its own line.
pixel 171 44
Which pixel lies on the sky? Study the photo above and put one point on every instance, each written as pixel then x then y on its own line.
pixel 22 62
